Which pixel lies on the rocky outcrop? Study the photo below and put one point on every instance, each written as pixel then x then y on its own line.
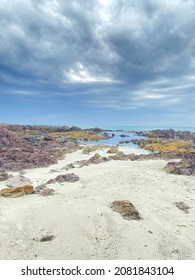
pixel 167 134
pixel 69 177
pixel 184 167
pixel 91 148
pixel 8 138
pixel 21 150
pixel 75 128
pixel 118 156
pixel 96 159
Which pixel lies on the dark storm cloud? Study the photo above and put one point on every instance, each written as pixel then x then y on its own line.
pixel 133 53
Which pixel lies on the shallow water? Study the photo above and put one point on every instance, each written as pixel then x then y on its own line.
pixel 116 139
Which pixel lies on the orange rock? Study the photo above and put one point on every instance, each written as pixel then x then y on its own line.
pixel 16 192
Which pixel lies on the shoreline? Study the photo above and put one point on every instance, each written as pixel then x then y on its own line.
pixel 82 222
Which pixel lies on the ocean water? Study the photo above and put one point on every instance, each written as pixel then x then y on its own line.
pixel 130 135
pixel 147 128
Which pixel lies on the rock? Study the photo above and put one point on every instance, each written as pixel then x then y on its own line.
pixel 112 150
pixel 126 209
pixel 8 138
pixel 75 128
pixel 170 167
pixel 39 188
pixel 4 176
pixel 17 181
pixel 184 171
pixel 69 177
pixel 96 129
pixel 106 135
pixel 184 167
pixel 124 142
pixel 118 156
pixel 96 159
pixel 47 238
pixel 16 192
pixel 88 149
pixel 69 166
pixel 188 156
pixel 46 191
pixel 124 135
pixel 182 206
pixel 48 138
pixel 133 156
pixel 23 147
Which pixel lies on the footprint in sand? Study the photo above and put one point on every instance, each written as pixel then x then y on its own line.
pixel 174 247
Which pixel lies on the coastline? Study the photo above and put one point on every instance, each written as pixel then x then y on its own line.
pixel 82 222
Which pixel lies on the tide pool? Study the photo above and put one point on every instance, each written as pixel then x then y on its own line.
pixel 116 139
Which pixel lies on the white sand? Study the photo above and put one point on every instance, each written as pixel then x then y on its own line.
pixel 84 225
pixel 129 149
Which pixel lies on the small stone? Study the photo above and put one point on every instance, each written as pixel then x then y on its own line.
pixel 47 238
pixel 182 206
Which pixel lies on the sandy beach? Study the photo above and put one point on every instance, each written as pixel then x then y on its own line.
pixel 82 222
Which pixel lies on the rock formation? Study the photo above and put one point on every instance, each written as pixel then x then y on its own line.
pixel 69 177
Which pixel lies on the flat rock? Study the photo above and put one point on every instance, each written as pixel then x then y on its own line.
pixel 69 177
pixel 18 181
pixel 16 192
pixel 126 209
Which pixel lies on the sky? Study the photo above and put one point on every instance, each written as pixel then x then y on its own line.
pixel 97 62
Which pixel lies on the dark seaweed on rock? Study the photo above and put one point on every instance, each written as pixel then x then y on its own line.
pixel 168 134
pixel 69 177
pixel 184 167
pixel 19 151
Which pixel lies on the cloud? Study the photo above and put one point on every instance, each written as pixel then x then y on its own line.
pixel 116 54
pixel 80 74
